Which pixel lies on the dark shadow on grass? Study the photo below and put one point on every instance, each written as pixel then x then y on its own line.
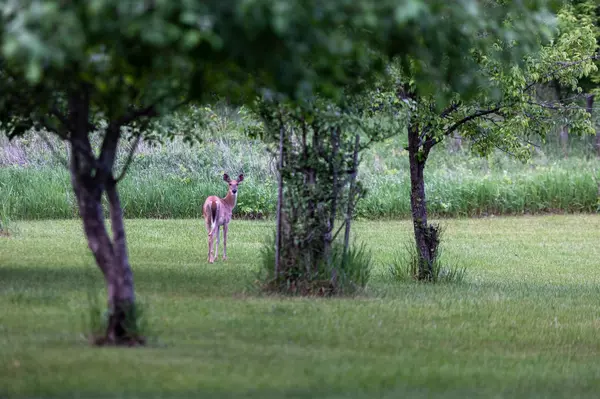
pixel 441 390
pixel 190 281
pixel 44 284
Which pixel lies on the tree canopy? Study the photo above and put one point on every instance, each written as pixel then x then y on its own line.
pixel 293 47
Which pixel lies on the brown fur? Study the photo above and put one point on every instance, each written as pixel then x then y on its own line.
pixel 217 212
pixel 213 209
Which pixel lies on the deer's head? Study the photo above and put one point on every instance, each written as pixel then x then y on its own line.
pixel 233 183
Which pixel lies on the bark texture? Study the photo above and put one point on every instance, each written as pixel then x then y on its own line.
pixel 426 236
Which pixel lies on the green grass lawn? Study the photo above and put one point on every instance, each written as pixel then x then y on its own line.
pixel 525 323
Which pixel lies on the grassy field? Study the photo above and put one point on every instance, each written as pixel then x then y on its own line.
pixel 524 324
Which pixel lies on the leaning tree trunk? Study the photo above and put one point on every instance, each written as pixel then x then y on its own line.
pixel 110 255
pixel 122 322
pixel 426 237
pixel 90 177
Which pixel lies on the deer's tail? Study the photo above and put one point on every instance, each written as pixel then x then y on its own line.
pixel 213 216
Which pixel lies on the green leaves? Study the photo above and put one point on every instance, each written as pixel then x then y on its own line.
pixel 134 54
pixel 507 107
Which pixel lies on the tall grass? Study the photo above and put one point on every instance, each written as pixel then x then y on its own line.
pixel 172 180
pixel 566 186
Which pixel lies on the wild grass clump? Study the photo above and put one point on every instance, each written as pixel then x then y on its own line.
pixel 405 266
pixel 7 225
pixel 345 273
pixel 95 321
pixel 95 318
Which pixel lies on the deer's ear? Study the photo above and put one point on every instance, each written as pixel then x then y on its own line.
pixel 226 178
pixel 240 178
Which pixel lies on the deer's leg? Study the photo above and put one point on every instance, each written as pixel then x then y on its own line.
pixel 210 248
pixel 225 226
pixel 218 240
pixel 207 222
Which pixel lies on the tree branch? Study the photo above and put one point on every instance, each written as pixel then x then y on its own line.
pixel 77 146
pixel 430 142
pixel 562 65
pixel 557 106
pixel 468 118
pixel 62 118
pixel 112 135
pixel 53 150
pixel 134 114
pixel 451 108
pixel 132 151
pixel 108 152
pixel 503 149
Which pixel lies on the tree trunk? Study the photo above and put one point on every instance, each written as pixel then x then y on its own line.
pixel 590 109
pixel 111 257
pixel 122 323
pixel 90 179
pixel 351 194
pixel 278 237
pixel 425 235
pixel 327 234
pixel 564 140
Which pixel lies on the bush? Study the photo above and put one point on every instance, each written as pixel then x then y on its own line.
pixel 350 271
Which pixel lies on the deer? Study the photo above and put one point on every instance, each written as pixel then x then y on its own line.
pixel 217 213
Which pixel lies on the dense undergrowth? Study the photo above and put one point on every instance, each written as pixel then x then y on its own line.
pixel 172 180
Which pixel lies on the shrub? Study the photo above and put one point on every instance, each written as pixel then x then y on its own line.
pixel 351 272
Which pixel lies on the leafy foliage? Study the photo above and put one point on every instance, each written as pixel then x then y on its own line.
pixel 496 117
pixel 293 47
pixel 588 12
pixel 508 105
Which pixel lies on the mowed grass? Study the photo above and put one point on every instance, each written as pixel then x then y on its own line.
pixel 524 324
